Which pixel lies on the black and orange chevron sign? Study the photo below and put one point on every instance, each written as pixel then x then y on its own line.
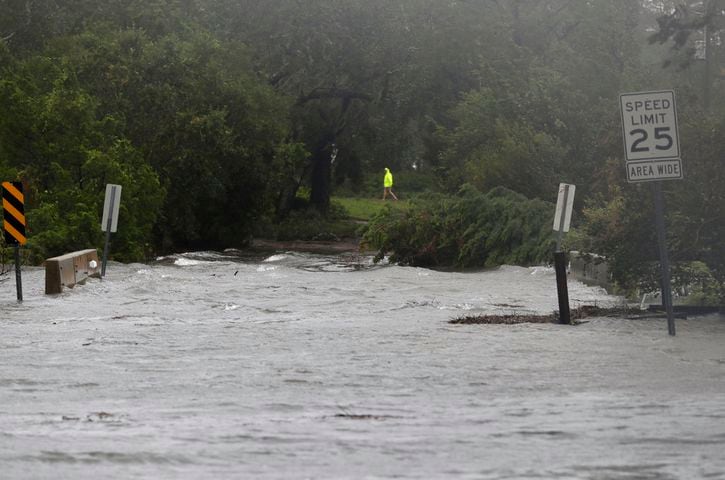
pixel 14 213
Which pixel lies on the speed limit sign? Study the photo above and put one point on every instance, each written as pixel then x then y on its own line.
pixel 651 140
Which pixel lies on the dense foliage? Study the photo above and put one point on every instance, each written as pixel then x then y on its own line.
pixel 619 224
pixel 468 230
pixel 215 115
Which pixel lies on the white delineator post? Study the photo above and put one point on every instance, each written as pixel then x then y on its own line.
pixel 109 223
pixel 562 221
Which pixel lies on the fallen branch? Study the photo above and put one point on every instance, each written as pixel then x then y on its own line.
pixel 580 313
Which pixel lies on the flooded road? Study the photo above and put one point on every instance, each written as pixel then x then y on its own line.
pixel 213 365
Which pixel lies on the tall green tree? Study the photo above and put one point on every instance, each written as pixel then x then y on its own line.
pixel 365 77
pixel 543 112
pixel 200 118
pixel 56 139
pixel 694 33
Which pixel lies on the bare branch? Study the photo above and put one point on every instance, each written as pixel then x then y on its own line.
pixel 333 92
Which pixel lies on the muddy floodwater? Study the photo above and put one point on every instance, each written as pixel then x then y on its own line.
pixel 213 365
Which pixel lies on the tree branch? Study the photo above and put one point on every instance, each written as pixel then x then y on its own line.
pixel 333 92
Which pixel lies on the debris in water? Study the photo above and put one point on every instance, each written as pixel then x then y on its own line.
pixel 584 311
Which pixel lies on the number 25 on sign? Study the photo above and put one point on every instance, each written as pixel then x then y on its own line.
pixel 650 125
pixel 651 140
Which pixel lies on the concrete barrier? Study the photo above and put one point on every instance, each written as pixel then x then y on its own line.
pixel 70 269
pixel 590 269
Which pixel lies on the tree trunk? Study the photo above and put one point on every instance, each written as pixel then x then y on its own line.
pixel 286 199
pixel 321 176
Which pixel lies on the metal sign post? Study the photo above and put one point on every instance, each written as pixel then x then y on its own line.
pixel 652 150
pixel 109 223
pixel 18 276
pixel 562 220
pixel 14 225
pixel 664 258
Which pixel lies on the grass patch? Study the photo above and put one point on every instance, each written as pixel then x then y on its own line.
pixel 346 219
pixel 363 209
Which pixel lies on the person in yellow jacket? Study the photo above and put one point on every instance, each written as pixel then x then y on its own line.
pixel 388 184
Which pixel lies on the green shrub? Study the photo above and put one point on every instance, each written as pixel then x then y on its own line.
pixel 468 230
pixel 306 223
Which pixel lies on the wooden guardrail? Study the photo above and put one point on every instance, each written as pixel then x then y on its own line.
pixel 70 269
